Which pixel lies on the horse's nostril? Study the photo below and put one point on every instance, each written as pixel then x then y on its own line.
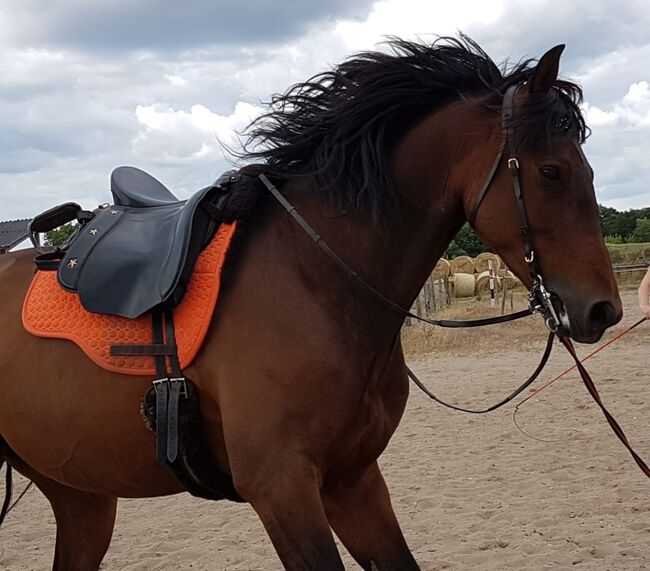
pixel 603 314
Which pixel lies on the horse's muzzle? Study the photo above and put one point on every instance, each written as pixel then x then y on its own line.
pixel 597 318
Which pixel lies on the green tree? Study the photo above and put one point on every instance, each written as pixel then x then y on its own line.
pixel 466 243
pixel 615 222
pixel 61 235
pixel 642 230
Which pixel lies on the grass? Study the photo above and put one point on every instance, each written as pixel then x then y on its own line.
pixel 629 253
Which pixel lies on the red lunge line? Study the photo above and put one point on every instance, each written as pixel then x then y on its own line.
pixel 594 393
pixel 595 352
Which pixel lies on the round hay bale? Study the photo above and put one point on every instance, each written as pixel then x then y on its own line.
pixel 481 262
pixel 512 279
pixel 442 269
pixel 462 265
pixel 483 282
pixel 464 285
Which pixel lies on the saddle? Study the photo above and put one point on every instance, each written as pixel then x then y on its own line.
pixel 136 286
pixel 131 256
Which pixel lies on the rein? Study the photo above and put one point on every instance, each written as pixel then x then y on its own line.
pixel 541 300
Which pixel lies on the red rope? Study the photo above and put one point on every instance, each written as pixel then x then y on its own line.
pixel 582 361
pixel 594 392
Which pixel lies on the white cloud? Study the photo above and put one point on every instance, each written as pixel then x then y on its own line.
pixel 170 136
pixel 414 18
pixel 597 117
pixel 618 147
pixel 76 107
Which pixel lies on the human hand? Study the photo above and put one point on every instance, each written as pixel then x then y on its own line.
pixel 645 309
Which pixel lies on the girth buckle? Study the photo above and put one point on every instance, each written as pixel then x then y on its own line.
pixel 172 380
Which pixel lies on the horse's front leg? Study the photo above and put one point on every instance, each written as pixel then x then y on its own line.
pixel 286 496
pixel 363 518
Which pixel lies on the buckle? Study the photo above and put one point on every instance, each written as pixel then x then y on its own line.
pixel 513 164
pixel 542 303
pixel 171 380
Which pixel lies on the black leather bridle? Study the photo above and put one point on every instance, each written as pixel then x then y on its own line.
pixel 541 300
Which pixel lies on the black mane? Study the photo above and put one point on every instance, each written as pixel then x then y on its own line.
pixel 340 126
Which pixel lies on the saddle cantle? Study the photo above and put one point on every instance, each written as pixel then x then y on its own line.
pixel 137 253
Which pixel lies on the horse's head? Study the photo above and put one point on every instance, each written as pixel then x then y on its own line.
pixel 553 232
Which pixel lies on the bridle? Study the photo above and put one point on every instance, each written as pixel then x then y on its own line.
pixel 541 300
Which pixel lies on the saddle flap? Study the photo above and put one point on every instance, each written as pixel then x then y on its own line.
pixel 128 260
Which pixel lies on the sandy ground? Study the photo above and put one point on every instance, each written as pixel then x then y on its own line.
pixel 471 492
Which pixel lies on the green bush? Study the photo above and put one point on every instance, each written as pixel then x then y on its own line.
pixel 60 236
pixel 641 230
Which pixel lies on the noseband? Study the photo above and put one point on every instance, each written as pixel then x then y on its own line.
pixel 541 300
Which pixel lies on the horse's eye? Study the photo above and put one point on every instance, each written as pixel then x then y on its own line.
pixel 550 173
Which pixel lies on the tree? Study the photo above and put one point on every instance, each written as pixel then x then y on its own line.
pixel 642 230
pixel 61 235
pixel 466 243
pixel 613 222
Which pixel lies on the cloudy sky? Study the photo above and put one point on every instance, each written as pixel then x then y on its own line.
pixel 87 85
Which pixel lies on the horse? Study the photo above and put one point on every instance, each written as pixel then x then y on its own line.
pixel 302 377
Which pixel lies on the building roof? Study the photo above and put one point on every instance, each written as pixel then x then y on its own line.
pixel 13 233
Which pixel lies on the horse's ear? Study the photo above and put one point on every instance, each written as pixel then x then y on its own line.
pixel 546 71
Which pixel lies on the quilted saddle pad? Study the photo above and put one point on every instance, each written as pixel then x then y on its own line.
pixel 50 311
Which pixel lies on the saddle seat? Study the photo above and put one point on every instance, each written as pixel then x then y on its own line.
pixel 140 251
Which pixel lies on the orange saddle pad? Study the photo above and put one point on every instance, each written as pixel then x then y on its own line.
pixel 50 311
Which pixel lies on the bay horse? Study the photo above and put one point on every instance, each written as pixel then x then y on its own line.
pixel 302 377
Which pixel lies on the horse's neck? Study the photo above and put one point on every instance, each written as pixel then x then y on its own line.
pixel 431 167
pixel 395 256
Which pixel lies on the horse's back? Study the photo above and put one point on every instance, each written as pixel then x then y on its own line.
pixel 15 262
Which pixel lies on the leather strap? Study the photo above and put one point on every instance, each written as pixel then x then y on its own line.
pixel 172 419
pixel 162 395
pixel 526 384
pixel 176 383
pixel 152 350
pixel 324 246
pixel 49 261
pixel 586 379
pixel 488 182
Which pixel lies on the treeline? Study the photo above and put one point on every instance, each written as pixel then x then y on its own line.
pixel 630 226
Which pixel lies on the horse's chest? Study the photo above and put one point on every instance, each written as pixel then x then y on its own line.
pixel 374 421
